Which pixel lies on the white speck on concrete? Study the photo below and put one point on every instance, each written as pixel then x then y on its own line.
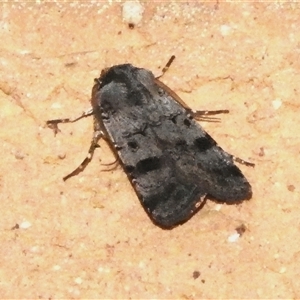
pixel 56 268
pixel 233 237
pixel 25 225
pixel 132 12
pixel 276 103
pixel 225 30
pixel 282 270
pixel 78 280
pixel 103 270
pixel 218 207
pixel 56 105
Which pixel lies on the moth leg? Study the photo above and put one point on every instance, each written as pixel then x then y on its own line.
pixel 166 67
pixel 53 123
pixel 94 144
pixel 201 115
pixel 113 165
pixel 204 115
pixel 243 162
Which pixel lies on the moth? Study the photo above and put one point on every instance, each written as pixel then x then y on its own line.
pixel 170 160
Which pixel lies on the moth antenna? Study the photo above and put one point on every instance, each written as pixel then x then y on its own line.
pixel 166 67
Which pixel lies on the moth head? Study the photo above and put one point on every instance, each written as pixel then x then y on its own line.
pixel 118 73
pixel 122 87
pixel 127 74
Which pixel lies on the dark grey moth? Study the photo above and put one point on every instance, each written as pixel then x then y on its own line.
pixel 172 163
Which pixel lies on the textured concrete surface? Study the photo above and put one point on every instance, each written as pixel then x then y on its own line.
pixel 89 237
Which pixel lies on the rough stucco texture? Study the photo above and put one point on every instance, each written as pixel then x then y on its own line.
pixel 89 237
